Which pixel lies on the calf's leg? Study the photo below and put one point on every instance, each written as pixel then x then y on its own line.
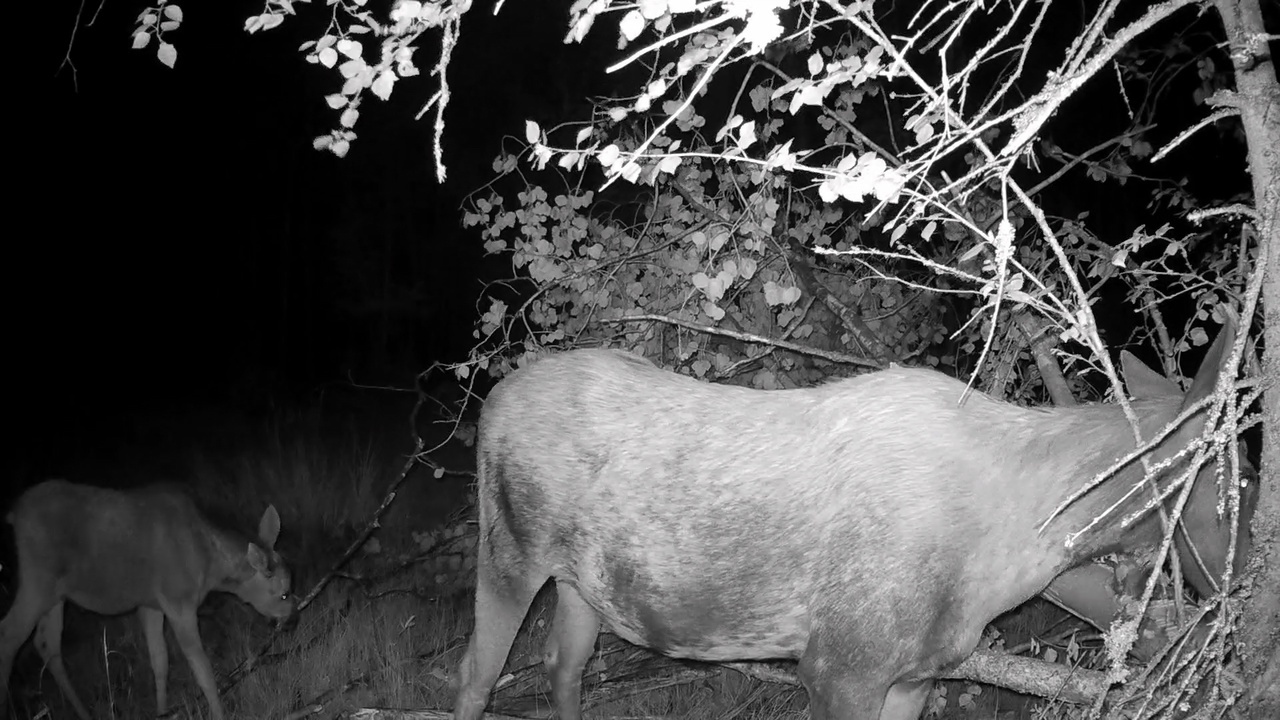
pixel 48 642
pixel 153 630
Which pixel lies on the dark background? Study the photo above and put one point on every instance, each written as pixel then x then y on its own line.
pixel 179 243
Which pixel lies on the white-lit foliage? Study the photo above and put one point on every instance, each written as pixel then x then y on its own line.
pixel 658 134
pixel 155 21
pixel 978 231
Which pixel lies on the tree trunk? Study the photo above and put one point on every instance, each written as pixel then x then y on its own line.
pixel 1257 98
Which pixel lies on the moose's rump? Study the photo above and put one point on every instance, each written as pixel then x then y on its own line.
pixel 719 522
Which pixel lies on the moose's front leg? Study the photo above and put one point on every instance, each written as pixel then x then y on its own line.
pixel 153 628
pixel 186 629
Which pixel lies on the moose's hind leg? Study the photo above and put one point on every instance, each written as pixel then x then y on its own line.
pixel 500 609
pixel 48 641
pixel 570 645
pixel 35 598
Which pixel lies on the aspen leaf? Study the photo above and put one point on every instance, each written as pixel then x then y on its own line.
pixel 382 86
pixel 652 9
pixel 815 64
pixel 350 48
pixel 167 54
pixel 632 24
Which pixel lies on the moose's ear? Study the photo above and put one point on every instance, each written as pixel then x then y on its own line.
pixel 1207 376
pixel 269 527
pixel 1143 382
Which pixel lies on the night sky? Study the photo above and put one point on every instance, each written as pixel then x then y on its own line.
pixel 180 242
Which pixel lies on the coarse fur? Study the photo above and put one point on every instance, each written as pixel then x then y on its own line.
pixel 113 551
pixel 868 528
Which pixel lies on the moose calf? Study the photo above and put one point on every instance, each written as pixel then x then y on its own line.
pixel 112 551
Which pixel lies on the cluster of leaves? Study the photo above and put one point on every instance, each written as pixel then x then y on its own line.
pixel 851 58
pixel 713 245
pixel 339 48
pixel 155 21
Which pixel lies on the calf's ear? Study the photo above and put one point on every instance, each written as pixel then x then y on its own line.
pixel 269 527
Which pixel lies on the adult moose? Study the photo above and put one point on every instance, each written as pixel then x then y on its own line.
pixel 869 528
pixel 113 551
